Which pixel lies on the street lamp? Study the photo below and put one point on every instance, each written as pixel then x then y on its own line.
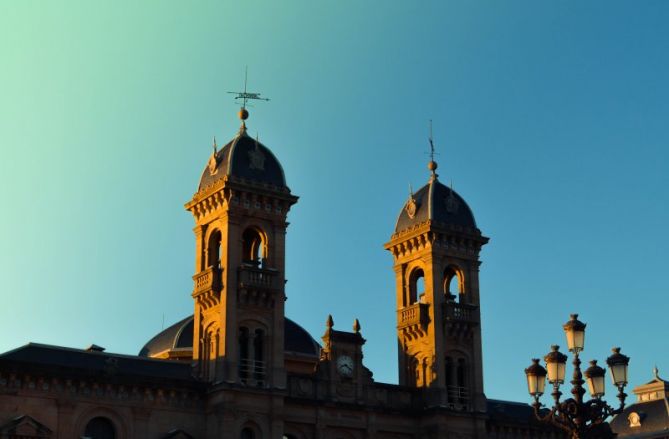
pixel 581 420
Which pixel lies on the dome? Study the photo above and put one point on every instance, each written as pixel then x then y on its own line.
pixel 246 158
pixel 438 203
pixel 180 336
pixel 177 336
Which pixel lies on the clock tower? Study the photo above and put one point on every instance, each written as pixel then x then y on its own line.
pixel 341 363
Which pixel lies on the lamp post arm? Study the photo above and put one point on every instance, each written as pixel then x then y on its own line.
pixel 555 416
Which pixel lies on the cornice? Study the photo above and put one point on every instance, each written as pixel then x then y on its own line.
pixel 109 388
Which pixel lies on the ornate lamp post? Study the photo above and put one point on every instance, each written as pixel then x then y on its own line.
pixel 581 419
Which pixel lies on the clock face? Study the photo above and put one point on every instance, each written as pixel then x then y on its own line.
pixel 345 365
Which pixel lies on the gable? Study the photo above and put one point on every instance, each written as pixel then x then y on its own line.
pixel 25 426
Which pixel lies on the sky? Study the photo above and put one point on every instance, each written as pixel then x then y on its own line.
pixel 550 119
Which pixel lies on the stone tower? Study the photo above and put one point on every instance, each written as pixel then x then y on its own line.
pixel 435 250
pixel 240 212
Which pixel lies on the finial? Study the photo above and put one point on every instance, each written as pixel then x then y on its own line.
pixel 656 372
pixel 245 97
pixel 329 323
pixel 215 146
pixel 410 191
pixel 356 326
pixel 432 165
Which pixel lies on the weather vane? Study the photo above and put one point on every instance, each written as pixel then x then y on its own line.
pixel 432 166
pixel 431 143
pixel 245 95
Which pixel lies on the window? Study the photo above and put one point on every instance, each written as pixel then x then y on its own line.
pixel 243 354
pixel 413 371
pixel 252 247
pixel 453 285
pixel 416 286
pixel 461 376
pixel 449 372
pixel 100 428
pixel 214 247
pixel 259 356
pixel 253 354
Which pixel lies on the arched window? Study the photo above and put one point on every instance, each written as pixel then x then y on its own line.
pixel 247 433
pixel 416 286
pixel 244 360
pixel 259 356
pixel 214 249
pixel 453 285
pixel 100 428
pixel 252 247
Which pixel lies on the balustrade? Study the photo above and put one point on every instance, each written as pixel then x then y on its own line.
pixel 416 314
pixel 208 279
pixel 459 311
pixel 264 278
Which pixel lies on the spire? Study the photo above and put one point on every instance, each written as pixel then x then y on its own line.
pixel 356 326
pixel 329 323
pixel 215 146
pixel 432 165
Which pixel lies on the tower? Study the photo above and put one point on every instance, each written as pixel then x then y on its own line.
pixel 435 250
pixel 240 212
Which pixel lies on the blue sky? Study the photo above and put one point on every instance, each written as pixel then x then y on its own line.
pixel 549 118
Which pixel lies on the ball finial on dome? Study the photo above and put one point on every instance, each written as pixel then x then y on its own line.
pixel 432 165
pixel 243 114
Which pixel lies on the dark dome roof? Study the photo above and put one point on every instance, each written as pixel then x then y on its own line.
pixel 438 203
pixel 180 335
pixel 246 158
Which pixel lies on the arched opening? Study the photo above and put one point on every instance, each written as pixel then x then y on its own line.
pixel 244 360
pixel 416 287
pixel 453 284
pixel 247 433
pixel 252 247
pixel 100 428
pixel 259 357
pixel 214 249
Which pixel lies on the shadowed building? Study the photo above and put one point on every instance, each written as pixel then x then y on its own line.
pixel 648 417
pixel 238 368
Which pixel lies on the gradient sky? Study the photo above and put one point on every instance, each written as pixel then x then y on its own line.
pixel 550 118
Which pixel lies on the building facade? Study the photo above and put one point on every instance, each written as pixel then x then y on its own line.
pixel 238 368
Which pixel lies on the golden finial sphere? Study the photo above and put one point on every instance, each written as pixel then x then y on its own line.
pixel 432 166
pixel 243 114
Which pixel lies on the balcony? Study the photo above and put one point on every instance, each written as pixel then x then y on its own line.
pixel 258 278
pixel 460 312
pixel 210 279
pixel 413 315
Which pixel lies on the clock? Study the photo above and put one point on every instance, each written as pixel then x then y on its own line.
pixel 345 366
